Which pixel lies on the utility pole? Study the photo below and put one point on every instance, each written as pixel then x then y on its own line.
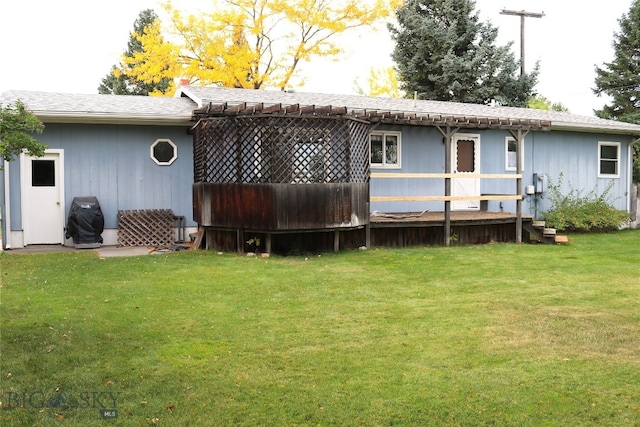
pixel 522 14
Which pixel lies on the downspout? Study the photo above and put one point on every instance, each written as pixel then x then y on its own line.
pixel 629 185
pixel 6 220
pixel 533 168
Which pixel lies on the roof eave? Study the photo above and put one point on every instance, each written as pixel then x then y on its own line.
pixel 110 118
pixel 582 127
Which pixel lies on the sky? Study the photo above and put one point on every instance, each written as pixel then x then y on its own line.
pixel 70 45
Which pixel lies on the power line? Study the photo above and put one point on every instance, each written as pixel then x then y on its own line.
pixel 522 14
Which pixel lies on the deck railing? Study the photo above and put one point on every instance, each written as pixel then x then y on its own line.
pixel 448 198
pixel 444 197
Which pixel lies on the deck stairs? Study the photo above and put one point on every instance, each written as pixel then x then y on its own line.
pixel 539 232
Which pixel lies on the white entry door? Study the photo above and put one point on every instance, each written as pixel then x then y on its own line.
pixel 43 198
pixel 465 161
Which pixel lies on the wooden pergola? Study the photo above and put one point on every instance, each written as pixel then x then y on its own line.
pixel 447 125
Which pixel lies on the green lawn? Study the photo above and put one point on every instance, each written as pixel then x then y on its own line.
pixel 476 335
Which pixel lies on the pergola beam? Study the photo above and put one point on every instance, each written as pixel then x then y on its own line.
pixel 373 116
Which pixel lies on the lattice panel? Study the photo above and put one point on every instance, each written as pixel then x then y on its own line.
pixel 151 228
pixel 359 155
pixel 281 149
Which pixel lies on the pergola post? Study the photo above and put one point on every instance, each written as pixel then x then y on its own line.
pixel 447 134
pixel 519 137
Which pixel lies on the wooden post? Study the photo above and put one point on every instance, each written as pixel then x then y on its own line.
pixel 367 235
pixel 448 140
pixel 200 236
pixel 207 239
pixel 367 226
pixel 240 241
pixel 336 241
pixel 267 243
pixel 519 137
pixel 447 189
pixel 519 146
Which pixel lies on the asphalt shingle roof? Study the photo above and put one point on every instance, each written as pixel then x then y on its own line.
pixel 96 108
pixel 559 120
pixel 178 110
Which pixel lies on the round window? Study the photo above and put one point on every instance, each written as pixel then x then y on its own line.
pixel 164 152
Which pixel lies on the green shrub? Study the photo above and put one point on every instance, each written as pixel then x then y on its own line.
pixel 575 211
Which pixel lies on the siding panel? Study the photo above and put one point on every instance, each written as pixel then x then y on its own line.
pixel 113 164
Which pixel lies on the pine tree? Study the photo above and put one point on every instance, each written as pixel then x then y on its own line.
pixel 620 79
pixel 443 52
pixel 118 82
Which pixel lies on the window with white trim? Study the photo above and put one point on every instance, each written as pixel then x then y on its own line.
pixel 164 152
pixel 510 159
pixel 608 159
pixel 385 150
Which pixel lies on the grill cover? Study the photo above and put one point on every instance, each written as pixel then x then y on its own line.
pixel 85 223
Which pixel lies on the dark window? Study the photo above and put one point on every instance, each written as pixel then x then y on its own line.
pixel 512 159
pixel 376 149
pixel 609 159
pixel 391 150
pixel 163 152
pixel 43 173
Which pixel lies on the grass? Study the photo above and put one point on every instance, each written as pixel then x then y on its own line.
pixel 475 335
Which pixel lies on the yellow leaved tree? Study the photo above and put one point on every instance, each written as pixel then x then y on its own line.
pixel 381 82
pixel 249 43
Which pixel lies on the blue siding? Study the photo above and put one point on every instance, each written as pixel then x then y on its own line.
pixel 113 163
pixel 422 152
pixel 575 156
pixel 493 161
pixel 572 154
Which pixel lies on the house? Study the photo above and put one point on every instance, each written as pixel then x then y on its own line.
pixel 295 167
pixel 98 146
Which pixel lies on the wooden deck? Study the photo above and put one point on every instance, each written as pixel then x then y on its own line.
pixel 427 228
pixel 385 230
